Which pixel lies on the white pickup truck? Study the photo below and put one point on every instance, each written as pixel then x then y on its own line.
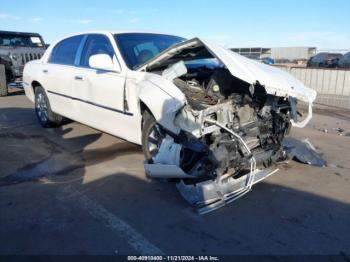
pixel 206 117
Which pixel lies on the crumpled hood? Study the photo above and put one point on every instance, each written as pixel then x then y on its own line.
pixel 276 82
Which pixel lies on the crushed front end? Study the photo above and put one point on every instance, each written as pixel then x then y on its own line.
pixel 228 141
pixel 236 115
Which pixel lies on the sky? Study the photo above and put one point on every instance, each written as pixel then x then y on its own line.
pixel 323 24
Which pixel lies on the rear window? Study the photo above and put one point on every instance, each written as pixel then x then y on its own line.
pixel 65 51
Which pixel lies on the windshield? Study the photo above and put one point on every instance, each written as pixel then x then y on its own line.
pixel 21 40
pixel 138 48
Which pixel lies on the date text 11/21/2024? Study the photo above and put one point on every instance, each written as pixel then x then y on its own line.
pixel 173 258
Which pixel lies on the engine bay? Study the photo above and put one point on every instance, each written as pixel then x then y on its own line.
pixel 225 132
pixel 220 105
pixel 205 86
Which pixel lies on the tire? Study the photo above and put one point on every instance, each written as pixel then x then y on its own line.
pixel 3 82
pixel 152 136
pixel 43 111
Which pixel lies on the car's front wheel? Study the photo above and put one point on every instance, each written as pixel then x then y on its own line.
pixel 152 136
pixel 43 111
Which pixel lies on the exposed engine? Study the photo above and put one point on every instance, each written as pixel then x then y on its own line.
pixel 228 132
pixel 261 120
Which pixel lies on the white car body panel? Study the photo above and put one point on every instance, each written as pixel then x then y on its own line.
pixel 160 95
pixel 105 90
pixel 60 79
pixel 163 98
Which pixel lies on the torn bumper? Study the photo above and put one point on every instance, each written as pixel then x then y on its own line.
pixel 208 196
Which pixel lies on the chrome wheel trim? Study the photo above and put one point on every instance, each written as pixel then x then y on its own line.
pixel 41 108
pixel 155 139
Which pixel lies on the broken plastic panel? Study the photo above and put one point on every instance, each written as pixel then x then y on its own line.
pixel 303 151
pixel 174 71
pixel 210 195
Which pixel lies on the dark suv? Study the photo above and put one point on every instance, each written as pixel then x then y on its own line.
pixel 16 49
pixel 344 62
pixel 324 59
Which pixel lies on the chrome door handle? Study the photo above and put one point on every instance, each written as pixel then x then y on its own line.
pixel 45 71
pixel 80 78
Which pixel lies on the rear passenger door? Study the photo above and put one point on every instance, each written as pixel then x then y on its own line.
pixel 100 93
pixel 58 75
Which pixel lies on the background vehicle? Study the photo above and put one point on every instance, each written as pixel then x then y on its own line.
pixel 324 59
pixel 344 62
pixel 16 49
pixel 268 61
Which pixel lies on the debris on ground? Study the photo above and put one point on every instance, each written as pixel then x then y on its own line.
pixel 338 129
pixel 303 151
pixel 335 130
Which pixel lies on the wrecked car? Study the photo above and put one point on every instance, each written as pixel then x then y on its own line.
pixel 207 118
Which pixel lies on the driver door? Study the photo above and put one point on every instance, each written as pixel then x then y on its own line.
pixel 99 94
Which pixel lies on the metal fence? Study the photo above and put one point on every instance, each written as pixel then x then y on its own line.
pixel 332 85
pixel 2 77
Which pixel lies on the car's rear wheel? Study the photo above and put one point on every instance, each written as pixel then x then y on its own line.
pixel 152 136
pixel 43 111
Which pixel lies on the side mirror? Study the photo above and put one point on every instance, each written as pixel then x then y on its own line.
pixel 102 62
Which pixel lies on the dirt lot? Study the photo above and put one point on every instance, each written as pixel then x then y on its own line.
pixel 74 190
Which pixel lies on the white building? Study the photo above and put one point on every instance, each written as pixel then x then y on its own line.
pixel 278 53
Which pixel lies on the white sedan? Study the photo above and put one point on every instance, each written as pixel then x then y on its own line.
pixel 205 116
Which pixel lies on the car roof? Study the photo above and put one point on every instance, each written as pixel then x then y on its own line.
pixel 116 31
pixel 18 33
pixel 335 54
pixel 328 54
pixel 346 56
pixel 106 32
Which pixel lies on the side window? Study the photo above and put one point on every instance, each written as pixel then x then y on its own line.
pixel 95 44
pixel 64 52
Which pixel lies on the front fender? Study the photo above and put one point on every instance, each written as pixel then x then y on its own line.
pixel 163 99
